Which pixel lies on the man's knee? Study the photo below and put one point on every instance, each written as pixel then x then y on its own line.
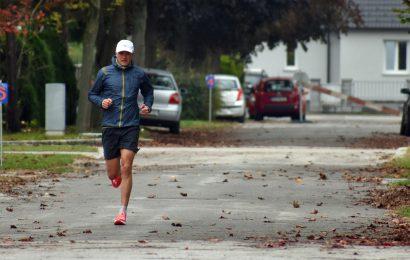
pixel 126 167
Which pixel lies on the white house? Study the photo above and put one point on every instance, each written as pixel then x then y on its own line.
pixel 373 59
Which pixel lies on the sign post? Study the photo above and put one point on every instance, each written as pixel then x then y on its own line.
pixel 3 100
pixel 210 82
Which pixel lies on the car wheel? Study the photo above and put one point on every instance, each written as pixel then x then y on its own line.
pixel 258 116
pixel 174 128
pixel 407 123
pixel 242 118
pixel 403 125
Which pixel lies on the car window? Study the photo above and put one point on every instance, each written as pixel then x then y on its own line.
pixel 226 84
pixel 278 85
pixel 161 82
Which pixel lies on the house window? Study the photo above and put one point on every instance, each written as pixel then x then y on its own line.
pixel 396 56
pixel 290 58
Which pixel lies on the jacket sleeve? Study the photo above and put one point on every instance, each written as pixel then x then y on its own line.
pixel 94 94
pixel 147 91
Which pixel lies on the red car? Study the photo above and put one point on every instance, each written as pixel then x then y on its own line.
pixel 276 97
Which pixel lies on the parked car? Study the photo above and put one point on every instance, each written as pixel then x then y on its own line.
pixel 233 100
pixel 405 120
pixel 167 107
pixel 276 97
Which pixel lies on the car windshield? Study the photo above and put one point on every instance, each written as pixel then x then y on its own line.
pixel 161 82
pixel 226 84
pixel 278 85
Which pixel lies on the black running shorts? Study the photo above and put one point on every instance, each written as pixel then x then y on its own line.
pixel 116 138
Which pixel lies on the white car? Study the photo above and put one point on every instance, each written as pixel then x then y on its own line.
pixel 233 99
pixel 167 107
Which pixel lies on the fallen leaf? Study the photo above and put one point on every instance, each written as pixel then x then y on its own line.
pixel 319 204
pixel 173 179
pixel 322 176
pixel 214 240
pixel 87 231
pixel 153 231
pixel 295 204
pixel 151 196
pixel 13 226
pixel 179 187
pixel 265 185
pixel 225 173
pixel 311 219
pixel 226 180
pixel 152 184
pixel 142 241
pixel 261 198
pixel 9 209
pixel 221 217
pixel 43 206
pixel 26 239
pixel 300 226
pixel 298 180
pixel 248 176
pixel 165 217
pixel 315 211
pixel 183 194
pixel 176 224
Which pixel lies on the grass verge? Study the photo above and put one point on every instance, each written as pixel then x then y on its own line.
pixel 51 148
pixel 55 163
pixel 204 125
pixel 404 211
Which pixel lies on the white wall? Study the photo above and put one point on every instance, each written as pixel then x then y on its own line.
pixel 313 62
pixel 362 55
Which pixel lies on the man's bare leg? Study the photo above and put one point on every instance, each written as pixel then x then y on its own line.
pixel 113 167
pixel 127 158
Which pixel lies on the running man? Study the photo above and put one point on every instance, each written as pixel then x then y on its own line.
pixel 115 90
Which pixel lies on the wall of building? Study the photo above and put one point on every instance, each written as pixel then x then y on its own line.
pixel 313 62
pixel 362 55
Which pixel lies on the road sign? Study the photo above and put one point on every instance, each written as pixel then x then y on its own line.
pixel 210 81
pixel 4 93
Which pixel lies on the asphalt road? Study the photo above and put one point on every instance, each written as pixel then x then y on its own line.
pixel 237 200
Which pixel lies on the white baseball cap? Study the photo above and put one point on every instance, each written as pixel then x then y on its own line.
pixel 125 45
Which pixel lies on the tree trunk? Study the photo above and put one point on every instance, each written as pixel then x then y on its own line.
pixel 88 63
pixel 115 32
pixel 150 39
pixel 139 26
pixel 13 109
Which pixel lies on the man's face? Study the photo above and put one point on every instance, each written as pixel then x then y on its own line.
pixel 124 58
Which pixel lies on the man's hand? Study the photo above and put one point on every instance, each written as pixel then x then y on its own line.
pixel 106 103
pixel 144 109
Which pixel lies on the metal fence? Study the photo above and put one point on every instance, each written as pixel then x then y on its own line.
pixel 384 91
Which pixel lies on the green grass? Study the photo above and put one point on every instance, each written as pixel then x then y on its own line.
pixel 36 135
pixel 404 211
pixel 403 163
pixel 69 148
pixel 52 163
pixel 400 183
pixel 205 125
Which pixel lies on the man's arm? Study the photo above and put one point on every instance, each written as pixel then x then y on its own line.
pixel 147 91
pixel 94 94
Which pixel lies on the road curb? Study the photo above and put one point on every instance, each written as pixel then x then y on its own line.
pixel 89 141
pixel 400 152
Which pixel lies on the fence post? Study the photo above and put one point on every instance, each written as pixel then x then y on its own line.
pixel 347 85
pixel 408 83
pixel 315 102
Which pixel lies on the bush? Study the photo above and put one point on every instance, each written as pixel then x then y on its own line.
pixel 195 103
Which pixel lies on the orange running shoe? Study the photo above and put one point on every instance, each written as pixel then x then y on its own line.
pixel 120 219
pixel 116 181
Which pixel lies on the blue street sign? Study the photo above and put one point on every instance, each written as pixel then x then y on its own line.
pixel 4 89
pixel 210 81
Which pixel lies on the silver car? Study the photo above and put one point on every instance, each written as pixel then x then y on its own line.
pixel 167 107
pixel 233 100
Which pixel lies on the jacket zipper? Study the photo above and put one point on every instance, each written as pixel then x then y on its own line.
pixel 122 97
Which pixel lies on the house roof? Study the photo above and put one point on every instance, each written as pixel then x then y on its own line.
pixel 378 14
